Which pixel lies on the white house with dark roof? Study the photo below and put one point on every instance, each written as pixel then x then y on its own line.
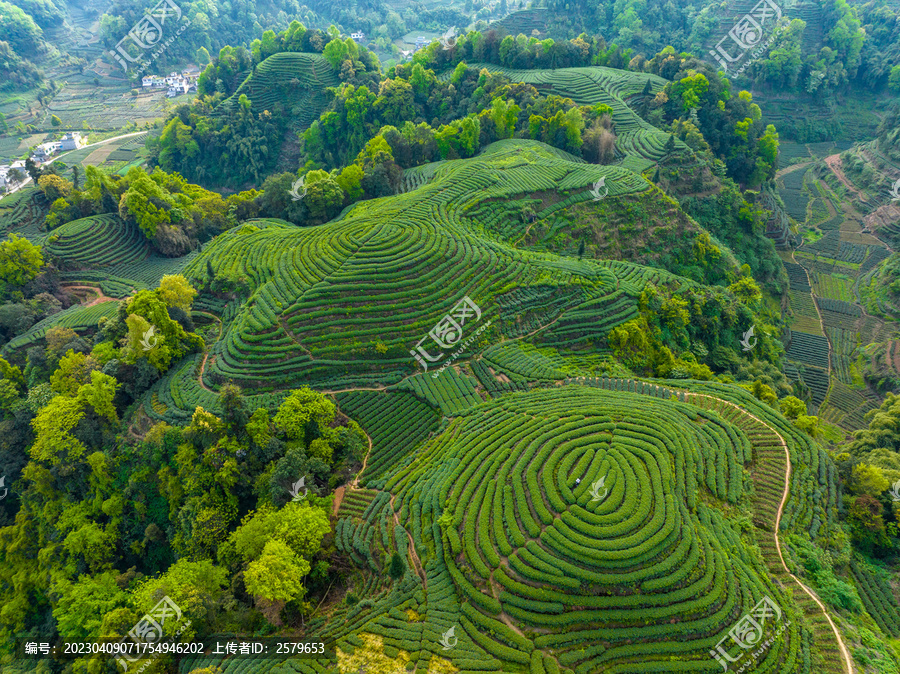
pixel 72 140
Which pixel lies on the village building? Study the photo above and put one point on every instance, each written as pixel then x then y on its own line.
pixel 72 140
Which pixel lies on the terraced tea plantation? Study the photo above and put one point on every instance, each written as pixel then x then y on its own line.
pixel 641 143
pixel 324 298
pixel 582 528
pixel 293 82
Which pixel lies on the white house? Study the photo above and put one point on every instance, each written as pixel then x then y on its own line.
pixel 177 89
pixel 72 140
pixel 421 42
pixel 358 36
pixel 44 151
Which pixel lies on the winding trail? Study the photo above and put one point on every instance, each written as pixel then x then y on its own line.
pixel 845 654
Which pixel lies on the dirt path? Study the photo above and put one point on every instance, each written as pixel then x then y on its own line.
pixel 417 563
pixel 834 163
pixel 848 662
pixel 338 497
pixel 792 168
pixel 99 299
pixel 355 483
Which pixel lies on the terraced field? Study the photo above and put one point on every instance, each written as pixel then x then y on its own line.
pixel 98 241
pixel 641 143
pixel 324 298
pixel 294 82
pixel 565 529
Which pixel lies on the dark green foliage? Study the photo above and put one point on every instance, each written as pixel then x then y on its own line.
pixel 397 567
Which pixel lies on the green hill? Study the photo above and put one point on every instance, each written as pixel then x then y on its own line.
pixel 346 301
pixel 539 566
pixel 294 82
pixel 640 142
pixel 97 241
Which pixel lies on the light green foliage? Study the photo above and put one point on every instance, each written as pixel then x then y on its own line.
pixel 691 89
pixel 52 428
pixel 93 543
pixel 9 394
pixel 11 373
pixel 321 449
pixel 299 525
pixel 894 79
pixel 99 394
pixel 141 334
pixel 302 407
pixel 259 428
pixel 20 260
pixel 195 587
pixel 792 407
pixel 73 371
pixel 146 204
pixel 84 603
pixel 170 339
pixel 349 181
pixel 278 573
pixel 867 479
pixel 335 52
pixel 746 290
pixel 175 291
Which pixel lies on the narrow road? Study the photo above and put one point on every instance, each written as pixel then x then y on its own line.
pixel 27 180
pixel 848 662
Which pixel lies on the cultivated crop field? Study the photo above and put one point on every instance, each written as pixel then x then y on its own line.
pixel 502 509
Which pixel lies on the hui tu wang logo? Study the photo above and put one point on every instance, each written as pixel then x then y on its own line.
pixel 596 488
pixel 448 639
pixel 895 491
pixel 296 487
pixel 448 332
pixel 747 33
pixel 147 33
pixel 151 629
pixel 448 39
pixel 747 634
pixel 149 339
pixel 745 342
pixel 600 190
pixel 298 190
pixel 895 191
